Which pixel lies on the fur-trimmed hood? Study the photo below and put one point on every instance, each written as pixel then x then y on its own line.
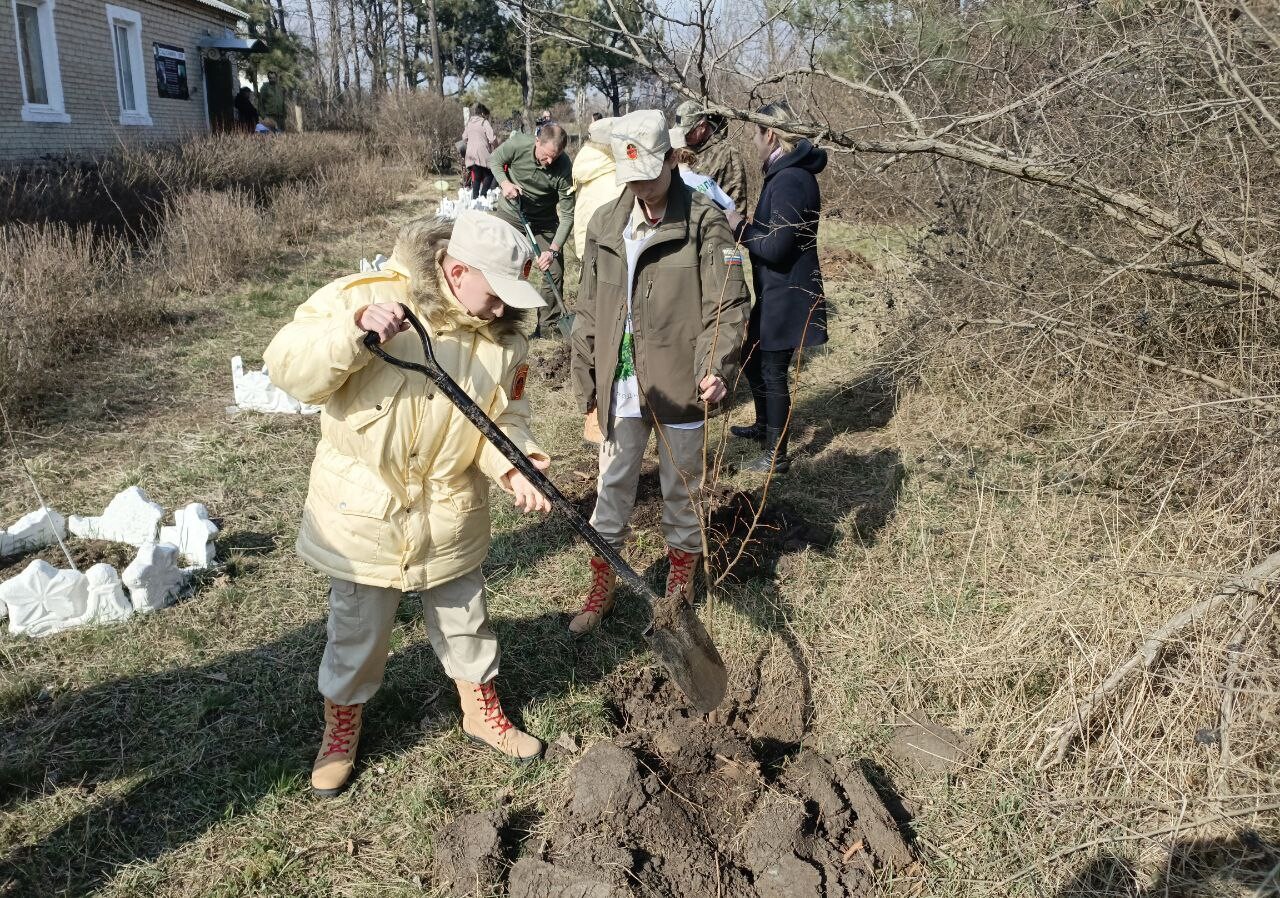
pixel 419 251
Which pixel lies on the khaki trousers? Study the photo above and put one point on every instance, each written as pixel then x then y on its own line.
pixel 360 622
pixel 680 470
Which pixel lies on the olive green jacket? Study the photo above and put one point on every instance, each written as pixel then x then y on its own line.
pixel 689 310
pixel 548 192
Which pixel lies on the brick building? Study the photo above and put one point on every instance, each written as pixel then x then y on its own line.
pixel 89 74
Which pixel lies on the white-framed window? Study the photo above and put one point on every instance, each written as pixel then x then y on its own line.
pixel 131 79
pixel 38 68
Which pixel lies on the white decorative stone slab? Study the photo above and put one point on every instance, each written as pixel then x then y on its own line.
pixel 450 209
pixel 107 601
pixel 43 600
pixel 42 527
pixel 255 392
pixel 193 534
pixel 129 518
pixel 153 578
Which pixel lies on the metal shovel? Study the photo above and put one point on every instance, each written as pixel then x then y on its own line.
pixel 677 637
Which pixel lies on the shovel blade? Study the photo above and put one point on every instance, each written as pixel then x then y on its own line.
pixel 689 657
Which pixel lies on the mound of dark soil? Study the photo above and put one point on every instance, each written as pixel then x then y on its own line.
pixel 85 552
pixel 685 806
pixel 550 362
pixel 690 807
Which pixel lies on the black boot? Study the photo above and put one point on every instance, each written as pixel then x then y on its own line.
pixel 775 454
pixel 754 432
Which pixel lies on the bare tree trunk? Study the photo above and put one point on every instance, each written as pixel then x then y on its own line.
pixel 317 67
pixel 336 51
pixel 402 66
pixel 280 11
pixel 437 68
pixel 527 26
pixel 355 47
pixel 417 51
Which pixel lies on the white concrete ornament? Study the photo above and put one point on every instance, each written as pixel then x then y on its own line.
pixel 42 527
pixel 192 532
pixel 450 209
pixel 43 600
pixel 154 578
pixel 129 518
pixel 107 601
pixel 255 392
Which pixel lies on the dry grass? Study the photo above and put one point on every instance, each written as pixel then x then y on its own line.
pixel 207 238
pixel 62 292
pixel 215 218
pixel 981 589
pixel 352 190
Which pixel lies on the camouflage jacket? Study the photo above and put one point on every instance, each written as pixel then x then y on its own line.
pixel 722 162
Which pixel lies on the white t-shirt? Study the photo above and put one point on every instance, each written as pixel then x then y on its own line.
pixel 704 184
pixel 626 386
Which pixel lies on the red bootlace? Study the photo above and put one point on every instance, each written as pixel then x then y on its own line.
pixel 599 587
pixel 681 569
pixel 493 708
pixel 344 729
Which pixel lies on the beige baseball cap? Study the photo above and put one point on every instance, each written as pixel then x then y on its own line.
pixel 601 131
pixel 500 253
pixel 640 143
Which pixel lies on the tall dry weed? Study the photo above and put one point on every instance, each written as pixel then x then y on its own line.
pixel 295 212
pixel 353 190
pixel 210 237
pixel 417 130
pixel 62 291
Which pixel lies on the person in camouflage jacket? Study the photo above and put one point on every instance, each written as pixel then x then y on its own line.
pixel 718 159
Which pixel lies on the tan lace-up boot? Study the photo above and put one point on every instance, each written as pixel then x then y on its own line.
pixel 599 601
pixel 337 757
pixel 484 722
pixel 680 577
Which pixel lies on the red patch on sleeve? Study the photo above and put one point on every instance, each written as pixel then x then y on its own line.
pixel 517 385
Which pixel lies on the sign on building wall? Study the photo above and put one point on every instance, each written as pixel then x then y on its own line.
pixel 171 72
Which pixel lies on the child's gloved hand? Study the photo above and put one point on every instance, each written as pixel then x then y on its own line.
pixel 527 497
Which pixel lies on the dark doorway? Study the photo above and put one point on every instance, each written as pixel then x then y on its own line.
pixel 218 94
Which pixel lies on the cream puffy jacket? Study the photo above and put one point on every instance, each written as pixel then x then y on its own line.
pixel 397 495
pixel 594 184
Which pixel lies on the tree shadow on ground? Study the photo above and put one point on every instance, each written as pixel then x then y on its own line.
pixel 203 743
pixel 197 744
pixel 1193 868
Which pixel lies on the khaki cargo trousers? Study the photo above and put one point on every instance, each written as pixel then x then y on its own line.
pixel 680 469
pixel 360 622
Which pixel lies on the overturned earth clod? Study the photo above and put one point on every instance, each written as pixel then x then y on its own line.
pixel 681 805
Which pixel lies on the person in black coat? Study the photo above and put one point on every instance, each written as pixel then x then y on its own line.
pixel 247 112
pixel 790 311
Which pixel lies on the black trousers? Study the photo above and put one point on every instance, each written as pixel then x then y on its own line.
pixel 482 180
pixel 767 372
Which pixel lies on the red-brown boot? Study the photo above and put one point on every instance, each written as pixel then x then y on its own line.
pixel 680 577
pixel 599 601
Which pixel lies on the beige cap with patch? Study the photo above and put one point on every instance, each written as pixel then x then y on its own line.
pixel 497 250
pixel 640 143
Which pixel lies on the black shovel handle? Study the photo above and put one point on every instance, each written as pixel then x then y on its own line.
pixel 503 444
